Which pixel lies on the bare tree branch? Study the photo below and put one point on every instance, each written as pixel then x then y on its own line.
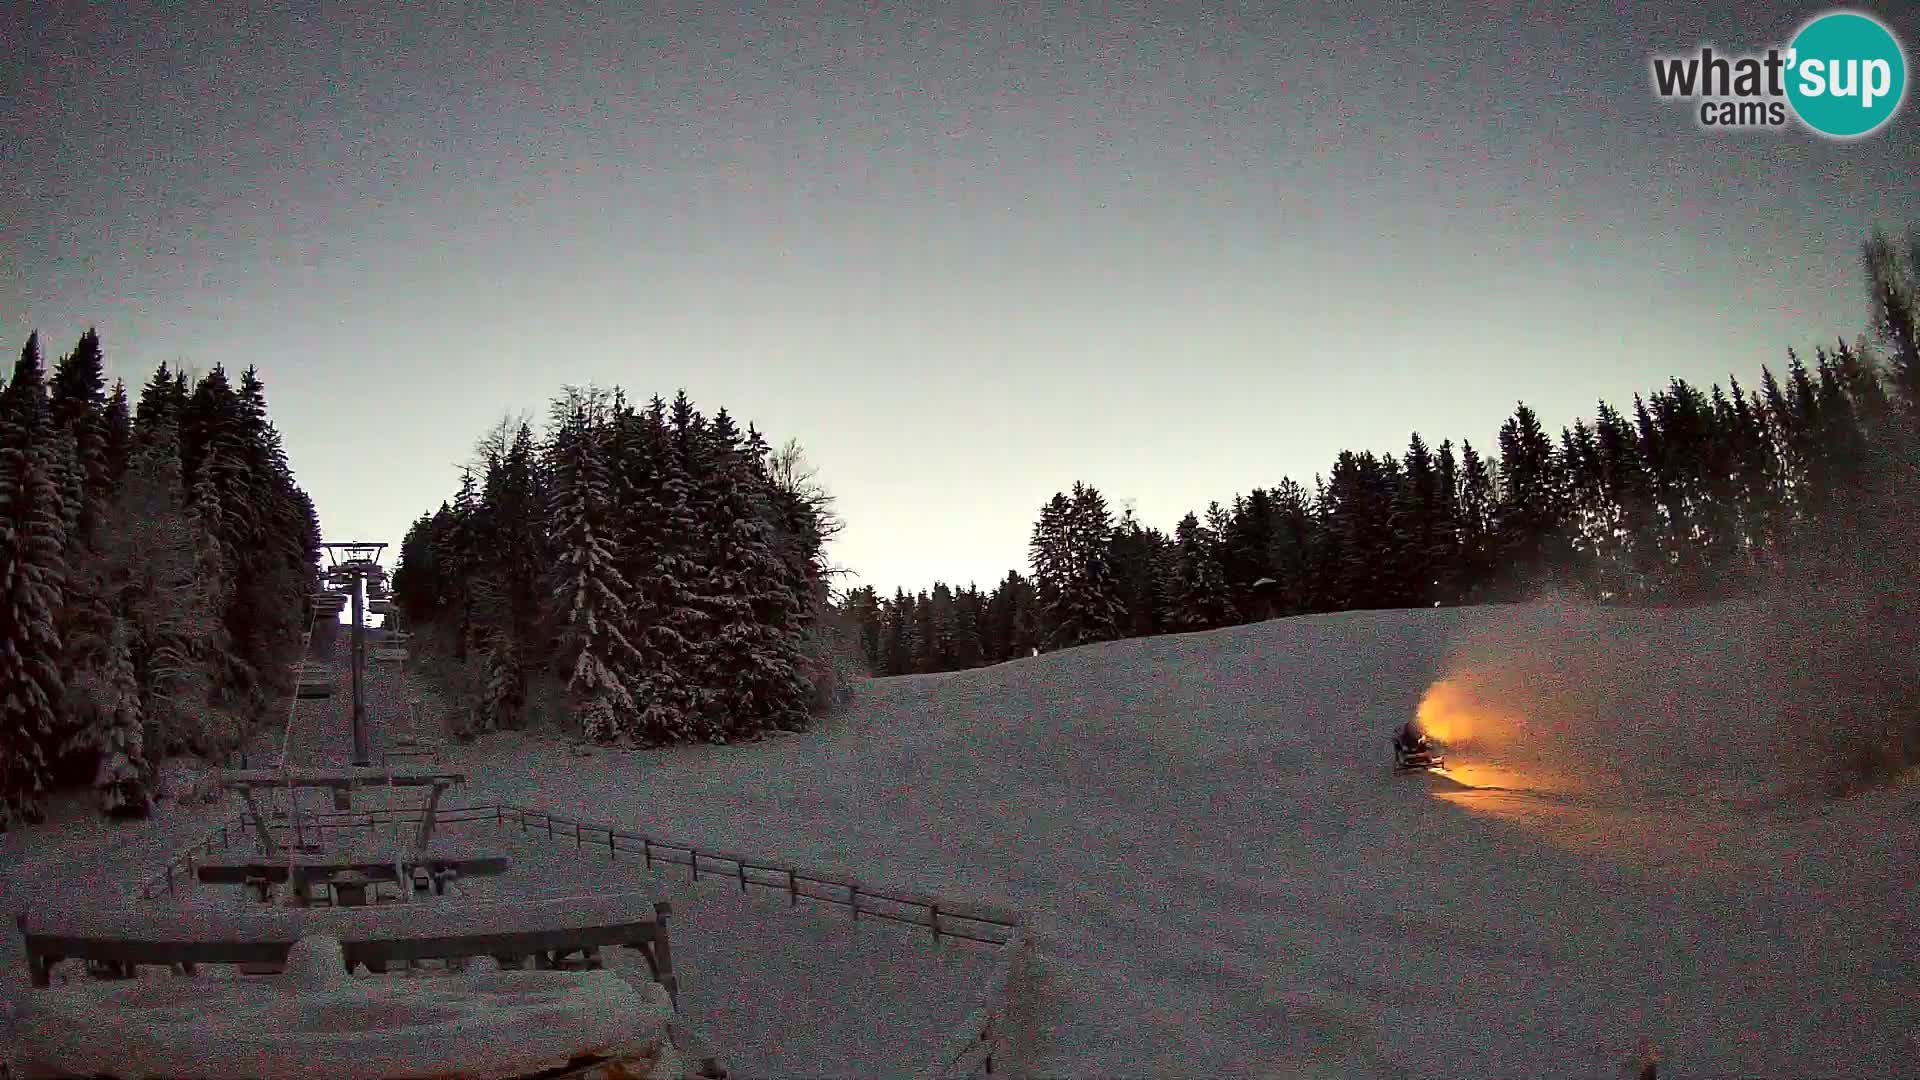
pixel 795 475
pixel 498 439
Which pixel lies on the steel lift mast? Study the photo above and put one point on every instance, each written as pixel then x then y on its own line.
pixel 354 563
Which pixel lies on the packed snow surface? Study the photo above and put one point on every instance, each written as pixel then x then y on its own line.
pixel 1224 876
pixel 495 1025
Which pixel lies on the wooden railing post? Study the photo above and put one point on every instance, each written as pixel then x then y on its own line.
pixel 663 953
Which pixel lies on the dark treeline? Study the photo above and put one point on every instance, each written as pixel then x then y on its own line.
pixel 155 568
pixel 657 569
pixel 1686 496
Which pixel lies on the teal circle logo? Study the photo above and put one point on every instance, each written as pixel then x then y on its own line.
pixel 1846 75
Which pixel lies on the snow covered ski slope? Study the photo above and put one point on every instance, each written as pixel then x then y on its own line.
pixel 1226 876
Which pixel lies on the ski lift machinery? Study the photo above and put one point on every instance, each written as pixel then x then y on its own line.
pixel 359 562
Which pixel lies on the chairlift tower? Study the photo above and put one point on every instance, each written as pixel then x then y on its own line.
pixel 354 563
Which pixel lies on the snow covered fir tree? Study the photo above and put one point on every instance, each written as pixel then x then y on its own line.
pixel 651 575
pixel 155 565
pixel 122 731
pixel 589 594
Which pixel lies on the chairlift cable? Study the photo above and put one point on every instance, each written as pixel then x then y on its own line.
pixel 286 736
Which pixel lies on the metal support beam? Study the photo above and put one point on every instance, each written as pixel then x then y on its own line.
pixel 360 566
pixel 362 754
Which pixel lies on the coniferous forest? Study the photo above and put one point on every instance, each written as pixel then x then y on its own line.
pixel 156 560
pixel 651 574
pixel 1687 495
pixel 659 570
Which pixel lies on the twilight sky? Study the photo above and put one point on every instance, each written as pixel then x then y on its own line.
pixel 966 253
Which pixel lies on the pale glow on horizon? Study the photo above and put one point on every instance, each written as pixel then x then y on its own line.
pixel 965 264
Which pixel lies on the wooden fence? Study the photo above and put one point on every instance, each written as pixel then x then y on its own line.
pixel 970 1051
pixel 943 918
pixel 179 870
pixel 238 831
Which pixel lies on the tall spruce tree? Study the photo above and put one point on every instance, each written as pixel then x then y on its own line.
pixel 1443 554
pixel 1530 516
pixel 1478 557
pixel 667 609
pixel 458 550
pixel 1757 474
pixel 1893 290
pixel 23 403
pixel 1627 534
pixel 1050 554
pixel 943 629
pixel 211 532
pixel 589 592
pixel 1201 598
pixel 926 643
pixel 1090 606
pixel 801 517
pixel 31 545
pixel 1248 547
pixel 1417 526
pixel 862 605
pixel 1584 499
pixel 1136 555
pixel 170 595
pixel 121 777
pixel 898 637
pixel 523 559
pixel 753 665
pixel 1012 623
pixel 969 611
pixel 1358 507
pixel 118 422
pixel 1293 559
pixel 77 404
pixel 161 405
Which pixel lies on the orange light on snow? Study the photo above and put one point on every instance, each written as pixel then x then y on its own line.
pixel 1459 718
pixel 1478 725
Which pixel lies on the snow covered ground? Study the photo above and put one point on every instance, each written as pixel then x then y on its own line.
pixel 1223 877
pixel 779 991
